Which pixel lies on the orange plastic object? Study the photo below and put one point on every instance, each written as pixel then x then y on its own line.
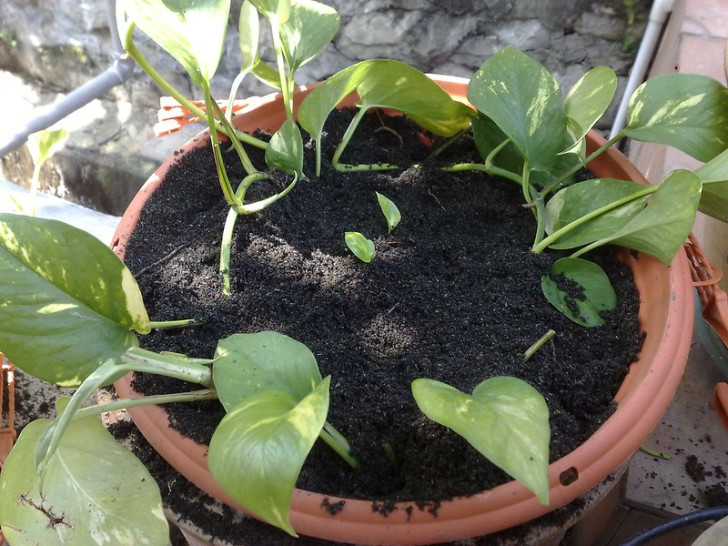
pixel 705 279
pixel 666 315
pixel 172 116
pixel 7 404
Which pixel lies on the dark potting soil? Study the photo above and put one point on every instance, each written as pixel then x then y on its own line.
pixel 453 294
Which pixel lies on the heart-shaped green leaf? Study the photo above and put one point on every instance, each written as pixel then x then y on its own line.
pixel 360 246
pixel 275 10
pixel 505 419
pixel 686 111
pixel 67 302
pixel 259 447
pixel 307 32
pixel 95 492
pixel 387 84
pixel 714 176
pixel 589 99
pixel 249 363
pixel 580 290
pixel 390 211
pixel 248 35
pixel 661 228
pixel 43 144
pixel 285 149
pixel 524 100
pixel 578 200
pixel 191 31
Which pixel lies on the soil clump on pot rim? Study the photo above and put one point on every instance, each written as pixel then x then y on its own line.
pixel 453 294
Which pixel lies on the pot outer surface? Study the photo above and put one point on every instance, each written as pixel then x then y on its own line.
pixel 453 294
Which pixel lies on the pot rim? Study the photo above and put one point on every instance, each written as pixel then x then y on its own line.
pixel 656 374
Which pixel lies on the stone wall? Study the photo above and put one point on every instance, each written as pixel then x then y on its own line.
pixel 48 47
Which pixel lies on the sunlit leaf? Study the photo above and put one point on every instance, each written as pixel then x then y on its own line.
pixel 661 228
pixel 191 31
pixel 285 150
pixel 307 32
pixel 578 200
pixel 360 246
pixel 259 447
pixel 67 303
pixel 390 211
pixel 44 144
pixel 95 492
pixel 686 111
pixel 714 176
pixel 388 84
pixel 589 99
pixel 580 290
pixel 505 419
pixel 249 363
pixel 524 100
pixel 275 10
pixel 248 35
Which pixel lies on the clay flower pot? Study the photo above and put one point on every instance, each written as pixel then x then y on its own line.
pixel 666 315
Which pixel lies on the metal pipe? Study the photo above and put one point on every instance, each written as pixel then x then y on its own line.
pixel 658 15
pixel 45 116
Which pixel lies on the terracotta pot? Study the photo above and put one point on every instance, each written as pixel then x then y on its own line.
pixel 666 315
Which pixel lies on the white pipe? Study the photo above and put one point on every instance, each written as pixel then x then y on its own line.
pixel 658 15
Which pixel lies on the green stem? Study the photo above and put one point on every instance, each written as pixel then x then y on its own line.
pixel 536 346
pixel 652 453
pixel 135 54
pixel 169 365
pixel 242 154
pixel 342 450
pixel 233 92
pixel 345 142
pixel 573 170
pixel 164 324
pixel 445 145
pixel 551 239
pixel 125 403
pixel 282 76
pixel 222 175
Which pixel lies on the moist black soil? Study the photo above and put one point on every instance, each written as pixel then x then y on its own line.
pixel 453 294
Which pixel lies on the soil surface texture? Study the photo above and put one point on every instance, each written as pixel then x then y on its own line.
pixel 453 294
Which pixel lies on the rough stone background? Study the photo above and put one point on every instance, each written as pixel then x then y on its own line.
pixel 49 47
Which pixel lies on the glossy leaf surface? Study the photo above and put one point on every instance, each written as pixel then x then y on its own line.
pixel 307 32
pixel 249 363
pixel 360 246
pixel 67 303
pixel 661 228
pixel 96 492
pixel 191 31
pixel 525 101
pixel 714 176
pixel 589 99
pixel 580 290
pixel 583 198
pixel 390 211
pixel 686 111
pixel 259 447
pixel 387 84
pixel 505 419
pixel 285 150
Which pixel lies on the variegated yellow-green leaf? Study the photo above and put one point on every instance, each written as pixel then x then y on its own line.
pixel 714 176
pixel 589 99
pixel 505 419
pixel 191 31
pixel 43 144
pixel 686 111
pixel 95 492
pixel 524 100
pixel 307 32
pixel 259 447
pixel 67 303
pixel 249 363
pixel 360 246
pixel 390 211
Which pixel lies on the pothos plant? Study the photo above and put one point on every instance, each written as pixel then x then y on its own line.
pixel 73 324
